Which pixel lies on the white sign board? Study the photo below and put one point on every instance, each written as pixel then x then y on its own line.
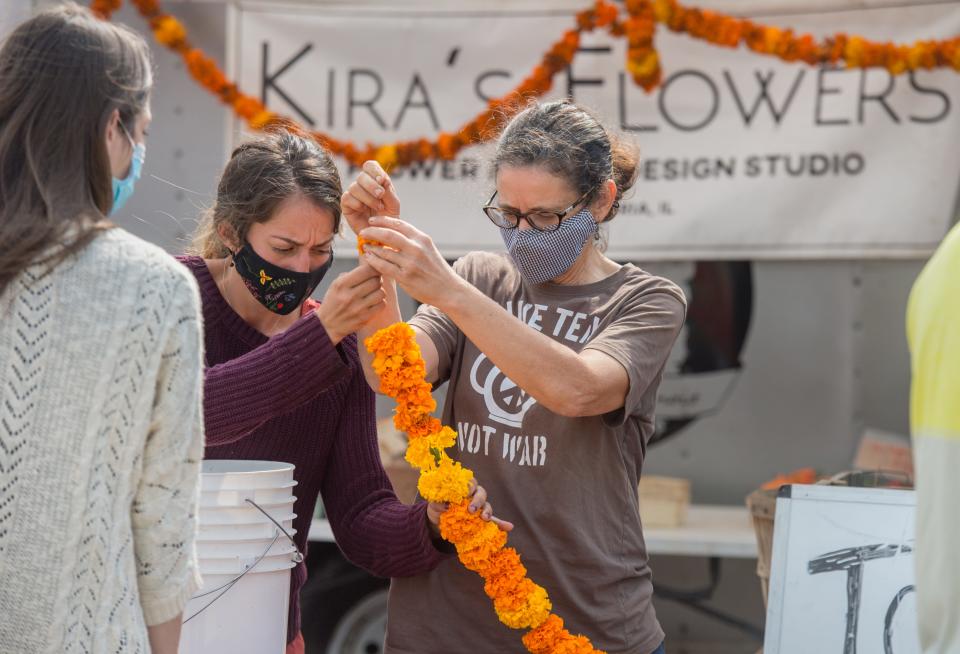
pixel 744 156
pixel 841 578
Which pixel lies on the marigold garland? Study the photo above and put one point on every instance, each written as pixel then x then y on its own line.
pixel 481 546
pixel 642 62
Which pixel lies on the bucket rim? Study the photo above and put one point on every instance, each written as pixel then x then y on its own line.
pixel 279 487
pixel 236 565
pixel 264 539
pixel 291 499
pixel 267 467
pixel 258 523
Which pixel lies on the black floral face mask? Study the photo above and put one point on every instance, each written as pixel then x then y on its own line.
pixel 278 289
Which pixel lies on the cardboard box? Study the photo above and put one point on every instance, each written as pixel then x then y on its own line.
pixel 663 501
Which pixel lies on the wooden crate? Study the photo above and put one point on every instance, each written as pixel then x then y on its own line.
pixel 763 505
pixel 663 501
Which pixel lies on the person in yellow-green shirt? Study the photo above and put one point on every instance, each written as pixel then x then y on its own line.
pixel 933 333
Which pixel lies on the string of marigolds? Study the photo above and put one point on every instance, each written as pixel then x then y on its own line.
pixel 642 62
pixel 481 546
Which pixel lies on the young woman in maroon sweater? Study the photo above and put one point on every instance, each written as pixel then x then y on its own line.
pixel 283 378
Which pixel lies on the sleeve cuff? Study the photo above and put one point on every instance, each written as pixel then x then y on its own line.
pixel 439 548
pixel 163 607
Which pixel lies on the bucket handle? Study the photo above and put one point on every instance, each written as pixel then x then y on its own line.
pixel 297 558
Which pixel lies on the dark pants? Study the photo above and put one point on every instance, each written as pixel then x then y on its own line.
pixel 660 650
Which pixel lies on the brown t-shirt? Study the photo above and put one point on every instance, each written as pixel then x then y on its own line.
pixel 569 484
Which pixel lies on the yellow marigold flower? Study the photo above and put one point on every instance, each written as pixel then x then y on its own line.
pixel 420 451
pixel 419 455
pixel 644 66
pixel 387 156
pixel 449 482
pixel 897 66
pixel 854 51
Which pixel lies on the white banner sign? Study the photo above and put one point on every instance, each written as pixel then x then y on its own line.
pixel 744 156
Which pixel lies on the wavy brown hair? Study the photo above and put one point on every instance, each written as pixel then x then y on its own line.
pixel 261 174
pixel 62 75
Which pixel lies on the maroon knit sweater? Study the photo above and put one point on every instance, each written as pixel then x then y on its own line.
pixel 296 398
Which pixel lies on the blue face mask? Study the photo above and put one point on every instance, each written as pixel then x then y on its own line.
pixel 123 188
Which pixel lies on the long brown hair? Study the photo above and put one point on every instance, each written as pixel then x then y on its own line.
pixel 62 75
pixel 260 175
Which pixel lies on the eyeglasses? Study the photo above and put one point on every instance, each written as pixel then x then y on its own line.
pixel 544 221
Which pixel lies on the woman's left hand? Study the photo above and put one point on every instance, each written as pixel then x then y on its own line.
pixel 410 257
pixel 478 502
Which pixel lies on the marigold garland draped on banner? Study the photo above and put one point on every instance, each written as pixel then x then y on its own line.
pixel 638 26
pixel 481 546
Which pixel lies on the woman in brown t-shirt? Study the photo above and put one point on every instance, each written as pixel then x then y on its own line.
pixel 553 353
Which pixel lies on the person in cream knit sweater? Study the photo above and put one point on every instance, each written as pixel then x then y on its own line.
pixel 101 432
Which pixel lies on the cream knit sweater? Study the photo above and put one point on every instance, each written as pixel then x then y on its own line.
pixel 101 439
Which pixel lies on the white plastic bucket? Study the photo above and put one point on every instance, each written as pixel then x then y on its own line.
pixel 242 607
pixel 246 514
pixel 228 474
pixel 226 497
pixel 252 531
pixel 237 565
pixel 250 618
pixel 252 549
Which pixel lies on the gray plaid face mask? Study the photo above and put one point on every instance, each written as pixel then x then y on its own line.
pixel 542 256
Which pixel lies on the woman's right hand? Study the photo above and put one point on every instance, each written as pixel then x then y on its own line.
pixel 353 299
pixel 371 194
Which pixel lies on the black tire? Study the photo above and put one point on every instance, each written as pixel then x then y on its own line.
pixel 335 588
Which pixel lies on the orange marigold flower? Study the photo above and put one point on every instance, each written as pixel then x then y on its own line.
pixel 897 65
pixel 448 145
pixel 247 107
pixel 585 19
pixel 169 31
pixel 204 70
pixel 854 51
pixel 477 541
pixel 606 13
pixel 551 638
pixel 952 55
pixel 104 8
pixel 147 7
pixel 418 426
pixel 644 66
pixel 545 638
pixel 387 156
pixel 360 240
pixel 262 119
pixel 527 608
